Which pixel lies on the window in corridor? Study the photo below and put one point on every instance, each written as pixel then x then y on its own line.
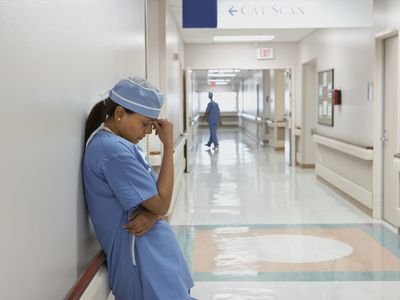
pixel 226 101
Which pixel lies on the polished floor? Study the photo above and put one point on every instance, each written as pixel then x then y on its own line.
pixel 251 227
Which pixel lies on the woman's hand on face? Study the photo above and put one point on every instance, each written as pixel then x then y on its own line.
pixel 164 130
pixel 140 222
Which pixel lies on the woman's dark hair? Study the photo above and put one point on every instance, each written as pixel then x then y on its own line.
pixel 98 115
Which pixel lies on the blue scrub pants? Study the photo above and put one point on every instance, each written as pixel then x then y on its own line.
pixel 213 135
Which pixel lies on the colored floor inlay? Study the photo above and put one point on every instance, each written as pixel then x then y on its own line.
pixel 349 252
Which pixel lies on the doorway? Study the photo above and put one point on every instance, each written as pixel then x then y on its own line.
pixel 287 116
pixel 390 132
pixel 306 152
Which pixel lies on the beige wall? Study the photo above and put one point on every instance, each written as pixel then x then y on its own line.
pixel 56 57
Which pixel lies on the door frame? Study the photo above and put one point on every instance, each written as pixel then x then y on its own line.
pixel 188 118
pixel 378 163
pixel 308 108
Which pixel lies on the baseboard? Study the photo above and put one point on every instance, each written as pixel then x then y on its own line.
pixel 348 198
pixel 305 166
pixel 278 148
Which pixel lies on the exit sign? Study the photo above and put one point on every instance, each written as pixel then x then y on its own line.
pixel 265 53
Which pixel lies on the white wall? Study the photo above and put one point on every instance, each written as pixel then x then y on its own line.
pixel 386 14
pixel 276 95
pixel 249 102
pixel 56 56
pixel 309 111
pixel 250 93
pixel 242 56
pixel 154 15
pixel 174 60
pixel 350 52
pixel 164 66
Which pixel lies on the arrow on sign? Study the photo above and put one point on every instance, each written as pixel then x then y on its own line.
pixel 231 11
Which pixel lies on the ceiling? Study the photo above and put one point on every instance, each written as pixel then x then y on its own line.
pixel 205 35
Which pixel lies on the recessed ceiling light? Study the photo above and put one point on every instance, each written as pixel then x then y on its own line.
pixel 242 38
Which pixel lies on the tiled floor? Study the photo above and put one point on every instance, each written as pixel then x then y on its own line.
pixel 253 228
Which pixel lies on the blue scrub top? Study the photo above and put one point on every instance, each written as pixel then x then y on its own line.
pixel 117 180
pixel 213 112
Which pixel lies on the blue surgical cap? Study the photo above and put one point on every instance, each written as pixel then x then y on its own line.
pixel 138 95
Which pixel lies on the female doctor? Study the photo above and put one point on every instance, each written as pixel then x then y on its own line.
pixel 125 198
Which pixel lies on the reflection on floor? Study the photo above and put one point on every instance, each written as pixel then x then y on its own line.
pixel 251 227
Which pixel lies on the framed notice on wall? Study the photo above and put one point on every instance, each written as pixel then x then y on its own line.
pixel 325 104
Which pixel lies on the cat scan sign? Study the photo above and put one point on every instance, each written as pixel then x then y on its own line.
pixel 265 53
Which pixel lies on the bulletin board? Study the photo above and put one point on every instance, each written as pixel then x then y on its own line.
pixel 325 104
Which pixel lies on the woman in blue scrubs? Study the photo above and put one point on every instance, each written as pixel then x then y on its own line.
pixel 125 197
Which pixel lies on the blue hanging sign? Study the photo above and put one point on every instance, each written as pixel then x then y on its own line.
pixel 199 13
pixel 252 14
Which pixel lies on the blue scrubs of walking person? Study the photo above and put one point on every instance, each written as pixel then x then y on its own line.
pixel 125 197
pixel 213 118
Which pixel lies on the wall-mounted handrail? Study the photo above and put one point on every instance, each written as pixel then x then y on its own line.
pixel 362 152
pixel 86 277
pixel 280 123
pixel 396 162
pixel 179 145
pixel 196 118
pixel 248 116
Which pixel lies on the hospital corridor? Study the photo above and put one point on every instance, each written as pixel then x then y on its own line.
pixel 254 228
pixel 200 150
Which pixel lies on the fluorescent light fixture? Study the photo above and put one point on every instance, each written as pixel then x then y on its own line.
pixel 222 75
pixel 217 80
pixel 221 83
pixel 242 38
pixel 220 71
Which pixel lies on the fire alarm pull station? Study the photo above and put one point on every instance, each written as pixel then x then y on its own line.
pixel 337 97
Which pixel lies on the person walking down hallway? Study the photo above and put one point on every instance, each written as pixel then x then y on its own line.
pixel 213 117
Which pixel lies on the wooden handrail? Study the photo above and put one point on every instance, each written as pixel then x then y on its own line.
pixel 86 277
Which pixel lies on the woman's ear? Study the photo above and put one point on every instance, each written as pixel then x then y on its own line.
pixel 119 113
